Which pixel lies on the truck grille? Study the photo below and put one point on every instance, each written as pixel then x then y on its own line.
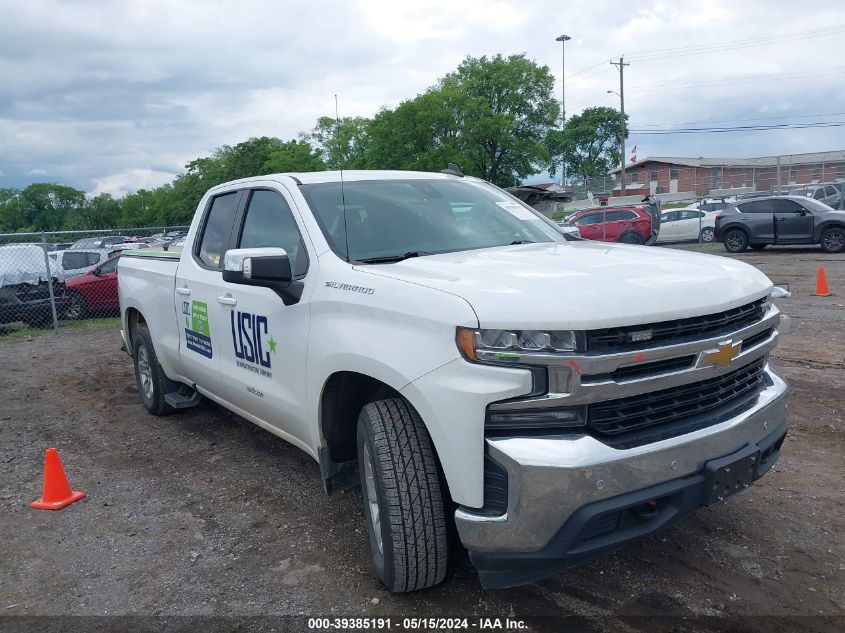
pixel 667 332
pixel 666 406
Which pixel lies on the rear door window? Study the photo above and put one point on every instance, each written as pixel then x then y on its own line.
pixel 217 230
pixel 758 206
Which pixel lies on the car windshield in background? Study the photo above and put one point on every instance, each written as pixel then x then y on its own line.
pixel 390 220
pixel 72 261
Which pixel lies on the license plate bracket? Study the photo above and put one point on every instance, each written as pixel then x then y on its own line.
pixel 726 476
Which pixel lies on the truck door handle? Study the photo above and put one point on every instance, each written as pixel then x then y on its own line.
pixel 227 300
pixel 183 290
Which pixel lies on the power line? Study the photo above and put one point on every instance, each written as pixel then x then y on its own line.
pixel 698 49
pixel 769 118
pixel 742 128
pixel 739 79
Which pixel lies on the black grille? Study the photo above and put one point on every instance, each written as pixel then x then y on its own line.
pixel 675 331
pixel 666 406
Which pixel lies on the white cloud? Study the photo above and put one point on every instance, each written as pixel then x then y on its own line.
pixel 115 96
pixel 130 181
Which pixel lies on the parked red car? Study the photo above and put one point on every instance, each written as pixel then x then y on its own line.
pixel 630 224
pixel 94 292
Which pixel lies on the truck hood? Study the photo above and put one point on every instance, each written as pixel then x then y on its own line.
pixel 583 285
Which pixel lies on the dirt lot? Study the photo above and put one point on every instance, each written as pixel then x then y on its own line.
pixel 202 513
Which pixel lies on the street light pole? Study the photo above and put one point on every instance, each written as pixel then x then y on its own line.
pixel 621 63
pixel 563 39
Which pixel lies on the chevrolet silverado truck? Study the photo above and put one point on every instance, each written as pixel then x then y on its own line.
pixel 553 399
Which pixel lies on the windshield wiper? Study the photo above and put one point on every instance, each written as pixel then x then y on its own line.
pixel 515 242
pixel 390 259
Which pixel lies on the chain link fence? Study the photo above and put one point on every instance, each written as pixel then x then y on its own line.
pixel 50 278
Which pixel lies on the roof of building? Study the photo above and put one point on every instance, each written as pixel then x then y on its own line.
pixel 762 161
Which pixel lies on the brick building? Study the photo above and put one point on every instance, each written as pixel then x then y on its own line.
pixel 666 174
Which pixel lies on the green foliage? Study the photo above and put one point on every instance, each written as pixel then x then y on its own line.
pixel 491 116
pixel 590 144
pixel 342 144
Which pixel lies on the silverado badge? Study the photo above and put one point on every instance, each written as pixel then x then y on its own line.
pixel 723 356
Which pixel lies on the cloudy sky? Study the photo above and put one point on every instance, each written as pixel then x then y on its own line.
pixel 114 96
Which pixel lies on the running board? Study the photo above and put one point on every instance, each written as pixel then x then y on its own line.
pixel 181 401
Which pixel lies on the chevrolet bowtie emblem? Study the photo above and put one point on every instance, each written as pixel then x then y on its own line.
pixel 723 356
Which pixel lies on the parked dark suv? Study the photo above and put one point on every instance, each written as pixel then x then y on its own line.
pixel 781 220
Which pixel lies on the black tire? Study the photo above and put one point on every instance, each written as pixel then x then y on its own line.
pixel 150 378
pixel 77 307
pixel 833 240
pixel 631 237
pixel 406 521
pixel 735 240
pixel 758 247
pixel 707 234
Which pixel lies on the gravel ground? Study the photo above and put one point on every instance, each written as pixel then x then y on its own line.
pixel 202 513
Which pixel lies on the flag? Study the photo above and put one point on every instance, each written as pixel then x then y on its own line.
pixel 634 154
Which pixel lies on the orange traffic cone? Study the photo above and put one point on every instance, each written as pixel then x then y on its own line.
pixel 822 289
pixel 57 491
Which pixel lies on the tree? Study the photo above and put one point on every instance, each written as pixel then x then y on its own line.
pixel 420 134
pixel 506 108
pixel 590 144
pixel 43 206
pixel 342 144
pixel 490 117
pixel 99 212
pixel 294 156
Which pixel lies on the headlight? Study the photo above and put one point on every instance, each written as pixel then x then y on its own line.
pixel 509 345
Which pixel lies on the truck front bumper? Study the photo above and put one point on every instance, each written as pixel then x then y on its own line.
pixel 571 499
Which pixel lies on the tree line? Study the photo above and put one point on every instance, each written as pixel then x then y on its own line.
pixel 494 117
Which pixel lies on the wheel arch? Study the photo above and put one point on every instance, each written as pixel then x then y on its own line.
pixel 132 319
pixel 342 397
pixel 827 224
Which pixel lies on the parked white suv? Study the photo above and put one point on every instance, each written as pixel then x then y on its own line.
pixel 449 343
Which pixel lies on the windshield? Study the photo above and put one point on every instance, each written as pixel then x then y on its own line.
pixel 394 219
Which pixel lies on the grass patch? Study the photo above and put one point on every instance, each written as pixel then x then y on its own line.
pixel 18 331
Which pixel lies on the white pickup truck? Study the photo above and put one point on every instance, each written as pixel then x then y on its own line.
pixel 554 397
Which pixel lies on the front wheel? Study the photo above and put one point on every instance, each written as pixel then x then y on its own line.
pixel 403 500
pixel 707 234
pixel 833 240
pixel 736 241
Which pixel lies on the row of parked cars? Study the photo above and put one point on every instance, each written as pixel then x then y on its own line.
pixel 83 276
pixel 755 220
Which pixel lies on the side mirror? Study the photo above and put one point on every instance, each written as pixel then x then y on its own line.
pixel 266 267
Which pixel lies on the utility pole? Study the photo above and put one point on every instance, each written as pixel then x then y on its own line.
pixel 621 64
pixel 563 39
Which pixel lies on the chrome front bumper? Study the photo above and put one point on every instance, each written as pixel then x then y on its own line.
pixel 550 478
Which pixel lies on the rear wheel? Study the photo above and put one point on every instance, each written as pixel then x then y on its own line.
pixel 736 241
pixel 833 240
pixel 758 247
pixel 631 238
pixel 403 500
pixel 149 376
pixel 706 234
pixel 76 308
